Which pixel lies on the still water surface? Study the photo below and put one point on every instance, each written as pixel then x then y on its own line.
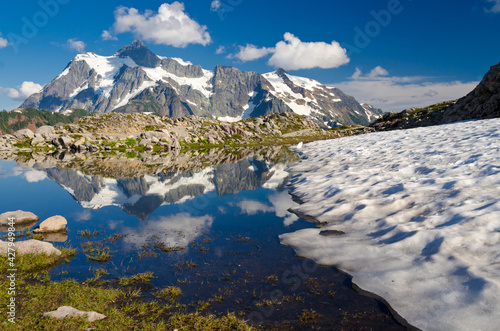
pixel 224 222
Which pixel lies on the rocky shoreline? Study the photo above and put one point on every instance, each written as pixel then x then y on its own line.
pixel 126 145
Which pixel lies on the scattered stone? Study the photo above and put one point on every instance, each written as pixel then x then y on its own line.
pixel 37 139
pixel 52 224
pixel 328 233
pixel 20 217
pixel 24 134
pixel 31 246
pixel 45 131
pixel 68 311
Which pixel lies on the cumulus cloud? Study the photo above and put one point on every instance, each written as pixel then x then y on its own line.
pixel 394 93
pixel 171 25
pixel 21 92
pixel 215 5
pixel 220 50
pixel 174 230
pixel 76 45
pixel 34 176
pixel 252 207
pixel 280 203
pixel 495 8
pixel 106 35
pixel 250 53
pixel 294 54
pixel 3 42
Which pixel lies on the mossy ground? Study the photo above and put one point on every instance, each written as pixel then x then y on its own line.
pixel 124 306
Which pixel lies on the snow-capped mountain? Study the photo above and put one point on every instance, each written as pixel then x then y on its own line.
pixel 134 79
pixel 140 196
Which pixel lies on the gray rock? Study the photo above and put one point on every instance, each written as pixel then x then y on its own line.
pixel 38 139
pixel 20 217
pixel 68 311
pixel 483 102
pixel 145 142
pixel 53 224
pixel 65 141
pixel 24 134
pixel 45 131
pixel 31 246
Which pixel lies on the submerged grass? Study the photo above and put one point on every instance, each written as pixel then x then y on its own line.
pixel 124 310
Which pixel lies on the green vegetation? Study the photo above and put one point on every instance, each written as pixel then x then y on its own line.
pixel 309 316
pixel 139 278
pixel 35 116
pixel 171 292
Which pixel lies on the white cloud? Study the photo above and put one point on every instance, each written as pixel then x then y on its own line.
pixel 215 5
pixel 83 215
pixel 21 92
pixel 33 175
pixel 170 26
pixel 251 53
pixel 282 202
pixel 495 8
pixel 294 54
pixel 3 42
pixel 106 35
pixel 393 93
pixel 252 207
pixel 220 50
pixel 76 44
pixel 175 230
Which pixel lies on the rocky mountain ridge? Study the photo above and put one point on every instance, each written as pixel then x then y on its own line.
pixel 135 79
pixel 481 103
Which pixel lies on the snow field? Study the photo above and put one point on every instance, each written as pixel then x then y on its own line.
pixel 420 209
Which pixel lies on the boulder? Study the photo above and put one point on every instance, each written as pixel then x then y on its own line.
pixel 31 246
pixel 45 131
pixel 145 142
pixel 38 139
pixel 52 224
pixel 20 217
pixel 24 134
pixel 67 311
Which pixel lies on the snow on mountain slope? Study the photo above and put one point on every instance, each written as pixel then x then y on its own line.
pixel 107 67
pixel 295 101
pixel 416 215
pixel 135 79
pixel 201 84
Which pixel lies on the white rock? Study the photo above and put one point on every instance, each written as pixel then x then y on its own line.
pixel 24 134
pixel 20 217
pixel 45 131
pixel 37 139
pixel 67 311
pixel 52 224
pixel 31 246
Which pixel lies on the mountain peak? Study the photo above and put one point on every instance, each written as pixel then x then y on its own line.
pixel 280 72
pixel 141 55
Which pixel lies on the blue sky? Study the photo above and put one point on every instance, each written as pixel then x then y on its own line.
pixel 391 53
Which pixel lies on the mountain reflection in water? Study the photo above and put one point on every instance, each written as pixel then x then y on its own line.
pixel 141 196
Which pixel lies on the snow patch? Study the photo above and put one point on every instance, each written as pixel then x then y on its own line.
pixel 107 67
pixel 200 83
pixel 421 217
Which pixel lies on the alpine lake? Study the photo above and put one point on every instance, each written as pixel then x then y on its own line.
pixel 192 247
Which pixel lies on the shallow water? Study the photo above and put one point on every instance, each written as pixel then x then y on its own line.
pixel 224 222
